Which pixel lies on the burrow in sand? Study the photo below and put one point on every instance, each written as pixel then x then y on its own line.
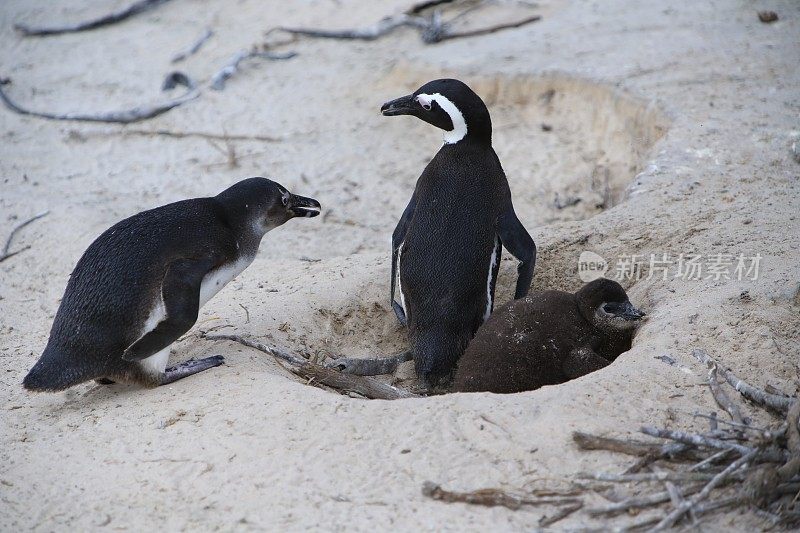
pixel 570 148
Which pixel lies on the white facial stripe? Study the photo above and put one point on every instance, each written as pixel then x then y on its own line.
pixel 459 130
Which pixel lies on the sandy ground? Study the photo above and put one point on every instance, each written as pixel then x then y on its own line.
pixel 681 117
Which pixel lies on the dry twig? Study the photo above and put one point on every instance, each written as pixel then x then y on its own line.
pixel 639 502
pixel 483 31
pixel 363 385
pixel 718 479
pixel 112 18
pixel 648 452
pixel 6 254
pixel 491 497
pixel 196 134
pixel 419 7
pixel 560 514
pixel 699 510
pixel 586 441
pixel 646 476
pixel 278 353
pixel 125 116
pixel 366 386
pixel 711 459
pixel 760 397
pixel 194 47
pixel 232 66
pixel 432 29
pixel 722 398
pixel 694 439
pixel 369 33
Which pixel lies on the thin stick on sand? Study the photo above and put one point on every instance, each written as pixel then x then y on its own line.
pixel 126 116
pixel 6 254
pixel 694 439
pixel 365 386
pixel 687 505
pixel 722 398
pixel 194 134
pixel 639 502
pixel 432 29
pixel 646 476
pixel 587 441
pixel 436 37
pixel 491 497
pixel 232 66
pixel 112 18
pixel 762 398
pixel 369 33
pixel 419 7
pixel 560 514
pixel 194 47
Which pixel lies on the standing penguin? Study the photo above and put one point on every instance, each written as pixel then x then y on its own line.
pixel 446 247
pixel 140 285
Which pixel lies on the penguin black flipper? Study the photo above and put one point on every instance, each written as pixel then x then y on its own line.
pixel 180 292
pixel 399 313
pixel 519 243
pixel 398 236
pixel 582 361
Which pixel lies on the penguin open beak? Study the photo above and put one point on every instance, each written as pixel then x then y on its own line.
pixel 624 310
pixel 300 206
pixel 399 106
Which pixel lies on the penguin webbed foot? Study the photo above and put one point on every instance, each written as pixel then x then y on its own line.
pixel 435 384
pixel 375 366
pixel 189 368
pixel 400 313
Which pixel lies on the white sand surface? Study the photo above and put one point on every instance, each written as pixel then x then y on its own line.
pixel 671 122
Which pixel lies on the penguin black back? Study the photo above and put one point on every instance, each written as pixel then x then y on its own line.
pixel 446 247
pixel 548 338
pixel 143 280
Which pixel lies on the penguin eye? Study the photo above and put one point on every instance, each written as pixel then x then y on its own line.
pixel 424 102
pixel 285 200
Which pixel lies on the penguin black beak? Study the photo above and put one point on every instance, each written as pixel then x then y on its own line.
pixel 625 311
pixel 399 106
pixel 300 206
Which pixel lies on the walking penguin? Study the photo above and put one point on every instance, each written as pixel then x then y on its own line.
pixel 139 285
pixel 446 247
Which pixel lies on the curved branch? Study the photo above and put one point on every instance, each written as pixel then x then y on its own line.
pixel 762 398
pixel 125 116
pixel 105 20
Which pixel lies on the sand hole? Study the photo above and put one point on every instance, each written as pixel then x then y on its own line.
pixel 569 147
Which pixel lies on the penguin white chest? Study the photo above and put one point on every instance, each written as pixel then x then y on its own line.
pixel 215 280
